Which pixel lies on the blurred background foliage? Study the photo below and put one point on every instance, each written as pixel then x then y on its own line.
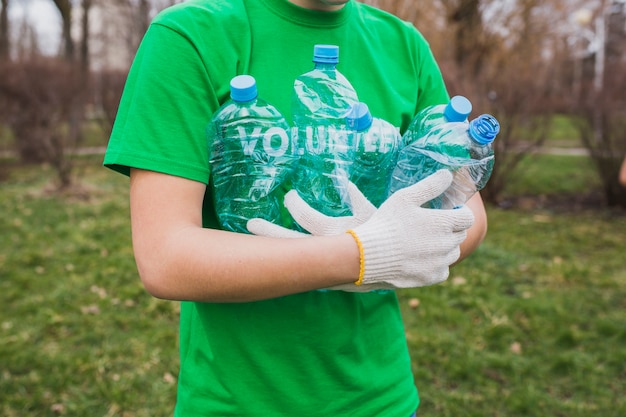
pixel 526 62
pixel 531 325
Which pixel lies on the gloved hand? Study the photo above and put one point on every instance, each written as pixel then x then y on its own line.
pixel 404 245
pixel 312 220
pixel 401 245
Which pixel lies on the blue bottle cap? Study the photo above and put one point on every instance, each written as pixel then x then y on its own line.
pixel 326 54
pixel 243 88
pixel 359 117
pixel 457 109
pixel 484 129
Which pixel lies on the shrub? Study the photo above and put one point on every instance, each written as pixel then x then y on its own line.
pixel 38 101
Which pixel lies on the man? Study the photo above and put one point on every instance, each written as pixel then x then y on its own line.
pixel 255 338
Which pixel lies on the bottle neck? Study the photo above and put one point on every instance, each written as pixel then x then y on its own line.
pixel 477 141
pixel 245 103
pixel 325 66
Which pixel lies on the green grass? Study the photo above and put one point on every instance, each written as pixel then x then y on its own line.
pixel 563 132
pixel 553 174
pixel 93 135
pixel 532 324
pixel 79 336
pixel 6 138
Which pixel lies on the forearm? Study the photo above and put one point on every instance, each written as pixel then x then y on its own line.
pixel 475 234
pixel 622 173
pixel 210 265
pixel 178 259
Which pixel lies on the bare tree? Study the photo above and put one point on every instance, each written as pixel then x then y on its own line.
pixel 124 23
pixel 44 99
pixel 143 16
pixel 512 79
pixel 36 96
pixel 500 67
pixel 427 15
pixel 472 44
pixel 602 104
pixel 85 35
pixel 4 30
pixel 82 71
pixel 405 9
pixel 65 9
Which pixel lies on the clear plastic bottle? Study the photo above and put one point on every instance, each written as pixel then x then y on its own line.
pixel 251 156
pixel 456 110
pixel 322 92
pixel 464 149
pixel 320 101
pixel 377 143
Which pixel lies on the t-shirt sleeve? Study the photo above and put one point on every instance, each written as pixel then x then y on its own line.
pixel 165 108
pixel 432 89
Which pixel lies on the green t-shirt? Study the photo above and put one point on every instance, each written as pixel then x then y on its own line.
pixel 313 354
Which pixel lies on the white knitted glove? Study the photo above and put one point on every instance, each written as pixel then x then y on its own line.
pixel 404 245
pixel 312 220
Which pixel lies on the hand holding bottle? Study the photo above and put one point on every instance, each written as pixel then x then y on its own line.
pixel 402 245
pixel 311 220
pixel 463 149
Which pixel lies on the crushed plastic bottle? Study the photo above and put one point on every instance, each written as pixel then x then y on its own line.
pixel 463 149
pixel 456 110
pixel 320 101
pixel 251 156
pixel 377 143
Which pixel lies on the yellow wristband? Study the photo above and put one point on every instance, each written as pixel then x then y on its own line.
pixel 361 257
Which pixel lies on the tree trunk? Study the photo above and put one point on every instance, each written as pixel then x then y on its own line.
pixel 65 8
pixel 4 30
pixel 469 47
pixel 144 16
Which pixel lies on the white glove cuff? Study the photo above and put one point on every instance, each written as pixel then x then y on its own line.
pixel 361 256
pixel 378 264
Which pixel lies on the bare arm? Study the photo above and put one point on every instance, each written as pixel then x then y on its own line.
pixel 178 259
pixel 475 234
pixel 622 173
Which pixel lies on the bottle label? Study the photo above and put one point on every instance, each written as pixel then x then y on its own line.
pixel 320 140
pixel 275 140
pixel 376 143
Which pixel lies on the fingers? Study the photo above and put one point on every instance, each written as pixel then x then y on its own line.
pixel 261 227
pixel 455 254
pixel 463 218
pixel 304 214
pixel 362 208
pixel 317 223
pixel 312 220
pixel 428 188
